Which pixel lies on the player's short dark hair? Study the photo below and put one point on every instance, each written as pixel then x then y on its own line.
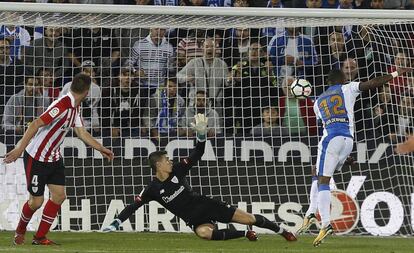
pixel 336 76
pixel 155 157
pixel 80 83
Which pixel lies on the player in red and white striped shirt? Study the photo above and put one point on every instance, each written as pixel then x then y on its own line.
pixel 42 157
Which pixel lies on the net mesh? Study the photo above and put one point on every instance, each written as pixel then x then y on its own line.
pixel 150 81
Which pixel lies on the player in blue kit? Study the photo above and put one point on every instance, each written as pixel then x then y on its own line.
pixel 335 108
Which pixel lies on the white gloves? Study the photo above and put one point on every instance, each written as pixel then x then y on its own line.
pixel 200 126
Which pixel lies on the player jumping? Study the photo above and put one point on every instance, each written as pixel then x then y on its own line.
pixel 335 107
pixel 171 189
pixel 42 159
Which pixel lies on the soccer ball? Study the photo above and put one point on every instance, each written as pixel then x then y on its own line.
pixel 300 88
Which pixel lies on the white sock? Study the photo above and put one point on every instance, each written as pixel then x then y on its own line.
pixel 324 204
pixel 313 205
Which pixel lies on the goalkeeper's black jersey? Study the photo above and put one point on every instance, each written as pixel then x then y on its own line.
pixel 175 194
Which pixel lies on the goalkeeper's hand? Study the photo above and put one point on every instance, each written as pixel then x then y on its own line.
pixel 200 126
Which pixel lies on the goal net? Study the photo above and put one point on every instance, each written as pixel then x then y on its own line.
pixel 154 68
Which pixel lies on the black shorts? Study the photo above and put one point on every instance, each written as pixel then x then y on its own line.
pixel 210 211
pixel 39 174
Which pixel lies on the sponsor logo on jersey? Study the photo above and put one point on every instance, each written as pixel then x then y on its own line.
pixel 174 195
pixel 344 212
pixel 54 112
pixel 174 180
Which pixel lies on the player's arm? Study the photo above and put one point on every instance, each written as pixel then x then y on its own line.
pixel 405 147
pixel 88 139
pixel 129 210
pixel 381 80
pixel 22 144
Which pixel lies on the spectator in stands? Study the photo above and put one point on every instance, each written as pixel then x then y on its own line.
pixel 251 84
pixel 201 105
pixel 23 107
pixel 405 120
pixel 100 45
pixel 192 2
pixel 350 69
pixel 313 3
pixel 292 54
pixel 48 52
pixel 166 108
pixel 46 84
pixel 190 47
pixel 330 4
pixel 377 4
pixel 399 84
pixel 241 3
pixel 151 57
pixel 236 45
pixel 121 110
pixel 410 5
pixel 166 2
pixel 270 124
pixel 345 4
pixel 219 3
pixel 266 34
pixel 208 73
pixel 334 53
pixel 11 73
pixel 91 104
pixel 296 115
pixel 384 113
pixel 18 38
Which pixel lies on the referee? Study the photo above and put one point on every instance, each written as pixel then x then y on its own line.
pixel 171 189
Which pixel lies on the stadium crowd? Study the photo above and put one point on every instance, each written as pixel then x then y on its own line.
pixel 150 83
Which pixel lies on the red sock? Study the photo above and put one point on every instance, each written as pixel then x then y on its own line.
pixel 25 217
pixel 49 213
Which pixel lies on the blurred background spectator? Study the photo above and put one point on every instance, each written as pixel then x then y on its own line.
pixel 165 110
pixel 23 107
pixel 202 105
pixel 208 73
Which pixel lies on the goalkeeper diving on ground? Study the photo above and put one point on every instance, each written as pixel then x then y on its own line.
pixel 171 189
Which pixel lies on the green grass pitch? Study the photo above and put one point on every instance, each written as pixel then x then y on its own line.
pixel 185 243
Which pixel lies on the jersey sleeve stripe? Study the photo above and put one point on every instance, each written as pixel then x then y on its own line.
pixel 49 135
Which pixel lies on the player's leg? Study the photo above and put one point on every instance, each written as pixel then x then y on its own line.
pixel 332 155
pixel 258 220
pixel 56 185
pixel 208 231
pixel 310 217
pixel 209 211
pixel 36 181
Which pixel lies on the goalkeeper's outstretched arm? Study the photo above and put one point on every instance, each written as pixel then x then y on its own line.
pixel 201 129
pixel 125 214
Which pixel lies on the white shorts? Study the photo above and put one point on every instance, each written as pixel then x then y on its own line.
pixel 332 153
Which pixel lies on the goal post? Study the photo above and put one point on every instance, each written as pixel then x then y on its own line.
pixel 154 67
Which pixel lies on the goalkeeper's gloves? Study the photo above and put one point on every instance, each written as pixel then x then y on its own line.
pixel 113 227
pixel 200 126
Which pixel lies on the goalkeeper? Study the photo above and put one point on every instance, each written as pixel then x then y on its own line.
pixel 171 189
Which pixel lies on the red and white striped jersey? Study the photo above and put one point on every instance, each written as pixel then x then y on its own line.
pixel 59 117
